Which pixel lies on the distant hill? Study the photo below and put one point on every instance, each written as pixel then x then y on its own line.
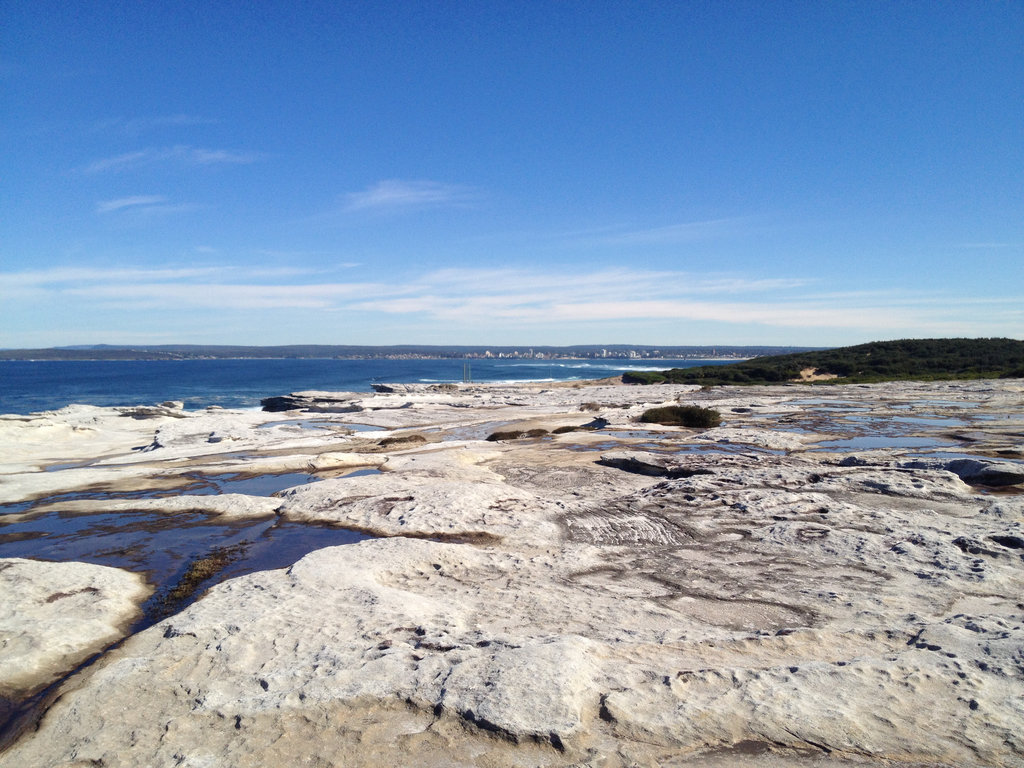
pixel 906 359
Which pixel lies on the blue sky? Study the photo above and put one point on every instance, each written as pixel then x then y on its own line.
pixel 803 173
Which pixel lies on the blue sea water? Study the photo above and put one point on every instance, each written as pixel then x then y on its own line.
pixel 30 386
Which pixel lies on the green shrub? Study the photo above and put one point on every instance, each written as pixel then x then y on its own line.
pixel 644 377
pixel 515 434
pixel 682 416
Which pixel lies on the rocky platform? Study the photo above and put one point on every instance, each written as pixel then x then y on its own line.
pixel 834 576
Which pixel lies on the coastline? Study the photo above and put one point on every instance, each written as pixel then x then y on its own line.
pixel 832 571
pixel 32 387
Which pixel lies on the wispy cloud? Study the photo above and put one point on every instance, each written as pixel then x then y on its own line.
pixel 142 206
pixel 58 276
pixel 601 283
pixel 136 201
pixel 225 295
pixel 533 300
pixel 396 194
pixel 482 298
pixel 212 287
pixel 182 154
pixel 201 156
pixel 118 162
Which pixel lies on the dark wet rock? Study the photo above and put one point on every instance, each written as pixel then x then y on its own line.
pixel 393 389
pixel 988 472
pixel 311 402
pixel 993 473
pixel 281 403
pixel 400 442
pixel 655 465
pixel 171 409
pixel 590 426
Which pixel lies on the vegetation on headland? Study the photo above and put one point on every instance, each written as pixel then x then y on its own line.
pixel 906 359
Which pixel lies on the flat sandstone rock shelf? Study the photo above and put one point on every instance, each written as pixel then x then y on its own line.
pixel 831 577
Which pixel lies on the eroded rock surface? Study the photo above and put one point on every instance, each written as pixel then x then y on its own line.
pixel 53 616
pixel 826 579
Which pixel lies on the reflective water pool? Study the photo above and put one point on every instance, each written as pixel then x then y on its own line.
pixel 874 442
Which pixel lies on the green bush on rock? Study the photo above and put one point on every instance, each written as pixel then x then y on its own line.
pixel 682 416
pixel 515 434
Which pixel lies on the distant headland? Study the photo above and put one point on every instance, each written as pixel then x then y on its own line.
pixel 396 352
pixel 903 359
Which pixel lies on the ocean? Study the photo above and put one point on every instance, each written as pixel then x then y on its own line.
pixel 31 386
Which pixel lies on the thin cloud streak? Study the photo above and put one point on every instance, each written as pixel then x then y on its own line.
pixel 195 276
pixel 106 206
pixel 615 281
pixel 397 194
pixel 59 275
pixel 226 295
pixel 183 154
pixel 874 319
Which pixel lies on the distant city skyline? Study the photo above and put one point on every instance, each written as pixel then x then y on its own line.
pixel 399 351
pixel 650 173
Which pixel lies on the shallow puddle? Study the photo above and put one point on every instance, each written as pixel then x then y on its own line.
pixel 878 425
pixel 162 546
pixel 930 420
pixel 604 445
pixel 362 427
pixel 196 484
pixel 15 507
pixel 152 543
pixel 251 485
pixel 100 495
pixel 823 404
pixel 923 404
pixel 635 434
pixel 875 442
pixel 872 424
pixel 796 430
pixel 284 543
pixel 69 465
pixel 731 448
